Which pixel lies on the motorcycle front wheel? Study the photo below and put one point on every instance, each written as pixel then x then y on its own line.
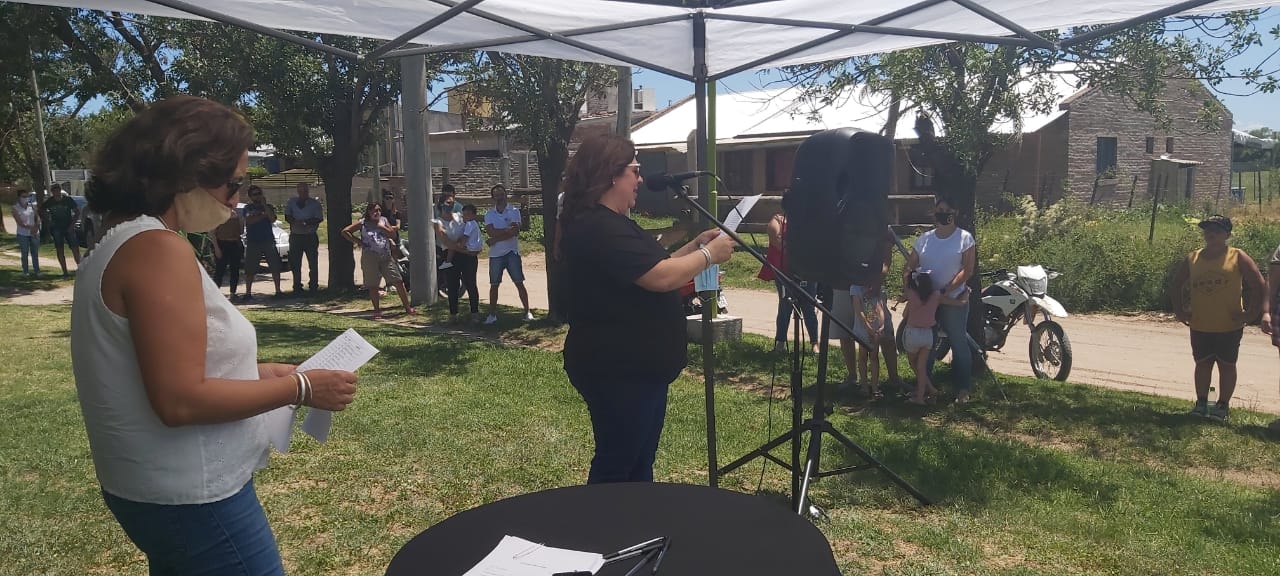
pixel 1050 351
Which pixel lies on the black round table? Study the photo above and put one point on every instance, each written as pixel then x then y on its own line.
pixel 711 531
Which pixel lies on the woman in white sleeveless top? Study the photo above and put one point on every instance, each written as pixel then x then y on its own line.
pixel 166 368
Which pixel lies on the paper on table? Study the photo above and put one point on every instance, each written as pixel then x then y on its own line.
pixel 519 557
pixel 346 352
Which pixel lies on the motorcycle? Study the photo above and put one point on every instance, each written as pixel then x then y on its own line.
pixel 1015 297
pixel 692 303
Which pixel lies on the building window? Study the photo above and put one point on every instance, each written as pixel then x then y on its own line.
pixel 1151 144
pixel 778 165
pixel 1106 162
pixel 921 171
pixel 735 171
pixel 921 178
pixel 1168 145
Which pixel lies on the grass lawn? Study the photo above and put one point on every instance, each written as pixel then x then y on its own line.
pixel 1058 479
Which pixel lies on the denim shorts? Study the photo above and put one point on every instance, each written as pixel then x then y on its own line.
pixel 62 236
pixel 230 536
pixel 509 262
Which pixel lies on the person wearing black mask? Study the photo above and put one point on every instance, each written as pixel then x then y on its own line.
pixel 951 254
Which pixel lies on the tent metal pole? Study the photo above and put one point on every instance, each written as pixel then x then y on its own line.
pixel 563 39
pixel 843 30
pixel 272 32
pixel 1118 26
pixel 403 39
pixel 1014 27
pixel 708 304
pixel 524 38
pixel 417 174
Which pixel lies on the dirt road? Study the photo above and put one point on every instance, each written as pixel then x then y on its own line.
pixel 1142 354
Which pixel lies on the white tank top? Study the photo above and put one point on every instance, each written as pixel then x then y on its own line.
pixel 135 455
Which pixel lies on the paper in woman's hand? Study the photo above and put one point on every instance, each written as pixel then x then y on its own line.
pixel 347 352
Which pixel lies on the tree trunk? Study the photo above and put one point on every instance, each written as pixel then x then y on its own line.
pixel 552 165
pixel 337 172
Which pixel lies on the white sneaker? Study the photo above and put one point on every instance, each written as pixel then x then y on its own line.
pixel 446 265
pixel 491 320
pixel 528 316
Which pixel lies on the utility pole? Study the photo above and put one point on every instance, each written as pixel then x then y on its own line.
pixel 625 101
pixel 43 185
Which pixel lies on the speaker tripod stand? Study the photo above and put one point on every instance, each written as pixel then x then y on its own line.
pixel 817 425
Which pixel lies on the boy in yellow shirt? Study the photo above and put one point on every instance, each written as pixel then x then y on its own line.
pixel 1215 276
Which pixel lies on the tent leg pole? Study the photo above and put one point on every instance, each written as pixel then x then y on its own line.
pixel 708 336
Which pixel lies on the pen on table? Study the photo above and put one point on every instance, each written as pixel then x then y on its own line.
pixel 647 557
pixel 630 549
pixel 661 554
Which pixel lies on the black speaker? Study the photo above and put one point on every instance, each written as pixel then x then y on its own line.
pixel 838 207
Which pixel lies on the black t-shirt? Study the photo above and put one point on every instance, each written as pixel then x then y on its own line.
pixel 614 324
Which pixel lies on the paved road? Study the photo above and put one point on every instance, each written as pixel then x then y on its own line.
pixel 1142 354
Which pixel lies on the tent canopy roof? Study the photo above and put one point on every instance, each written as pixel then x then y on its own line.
pixel 779 112
pixel 656 35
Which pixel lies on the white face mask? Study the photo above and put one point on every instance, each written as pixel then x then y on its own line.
pixel 199 211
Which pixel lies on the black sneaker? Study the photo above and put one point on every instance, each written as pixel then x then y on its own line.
pixel 1201 409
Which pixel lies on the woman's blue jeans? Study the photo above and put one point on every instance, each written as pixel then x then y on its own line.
pixel 230 536
pixel 806 310
pixel 627 413
pixel 30 250
pixel 955 321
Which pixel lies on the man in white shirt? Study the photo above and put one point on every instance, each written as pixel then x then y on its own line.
pixel 502 225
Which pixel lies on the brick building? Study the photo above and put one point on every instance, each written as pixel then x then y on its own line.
pixel 1089 136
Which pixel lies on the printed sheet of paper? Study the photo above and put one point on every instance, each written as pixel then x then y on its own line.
pixel 346 352
pixel 739 212
pixel 519 557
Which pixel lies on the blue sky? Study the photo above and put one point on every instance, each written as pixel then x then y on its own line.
pixel 1250 112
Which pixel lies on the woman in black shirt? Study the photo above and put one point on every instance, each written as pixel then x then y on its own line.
pixel 626 341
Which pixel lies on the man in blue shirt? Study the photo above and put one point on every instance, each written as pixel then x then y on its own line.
pixel 260 240
pixel 304 215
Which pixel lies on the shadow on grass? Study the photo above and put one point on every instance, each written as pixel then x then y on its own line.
pixel 14 283
pixel 402 349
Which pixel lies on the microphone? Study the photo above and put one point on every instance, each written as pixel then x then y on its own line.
pixel 660 182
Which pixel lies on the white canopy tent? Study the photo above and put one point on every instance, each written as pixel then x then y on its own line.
pixel 696 40
pixel 668 35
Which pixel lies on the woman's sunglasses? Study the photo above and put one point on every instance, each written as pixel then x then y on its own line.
pixel 233 186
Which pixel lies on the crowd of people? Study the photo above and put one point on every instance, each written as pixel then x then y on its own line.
pixel 174 399
pixel 59 213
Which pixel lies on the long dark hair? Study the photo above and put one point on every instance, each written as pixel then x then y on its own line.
pixel 922 282
pixel 591 171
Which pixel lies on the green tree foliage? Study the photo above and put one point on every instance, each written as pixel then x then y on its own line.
pixel 961 91
pixel 537 101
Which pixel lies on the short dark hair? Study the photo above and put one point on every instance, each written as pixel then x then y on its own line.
pixel 173 146
pixel 471 207
pixel 447 188
pixel 55 186
pixel 495 188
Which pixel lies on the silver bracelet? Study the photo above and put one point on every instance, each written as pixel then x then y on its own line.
pixel 706 254
pixel 301 395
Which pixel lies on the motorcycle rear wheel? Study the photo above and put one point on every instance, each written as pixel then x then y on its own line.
pixel 1049 351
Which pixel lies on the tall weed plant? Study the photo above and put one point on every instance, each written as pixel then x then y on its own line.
pixel 1107 264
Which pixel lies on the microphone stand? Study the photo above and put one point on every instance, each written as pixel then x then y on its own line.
pixel 817 425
